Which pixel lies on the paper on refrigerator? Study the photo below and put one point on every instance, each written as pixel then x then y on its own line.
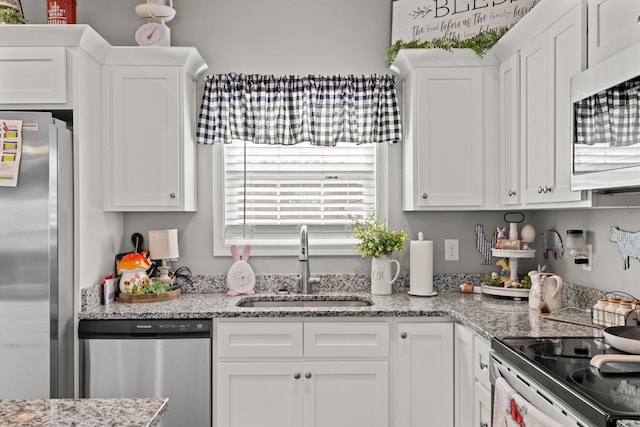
pixel 11 146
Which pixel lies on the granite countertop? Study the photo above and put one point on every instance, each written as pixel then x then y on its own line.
pixel 487 315
pixel 83 412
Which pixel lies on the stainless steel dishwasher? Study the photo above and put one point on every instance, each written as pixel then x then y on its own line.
pixel 150 358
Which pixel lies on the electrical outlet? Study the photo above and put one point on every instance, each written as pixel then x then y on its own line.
pixel 451 251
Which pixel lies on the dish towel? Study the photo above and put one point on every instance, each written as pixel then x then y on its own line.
pixel 511 409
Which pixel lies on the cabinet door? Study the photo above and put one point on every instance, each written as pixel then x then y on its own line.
pixel 567 52
pixel 463 376
pixel 346 394
pixel 424 374
pixel 143 141
pixel 613 26
pixel 259 394
pixel 510 131
pixel 537 157
pixel 448 137
pixel 33 75
pixel 547 64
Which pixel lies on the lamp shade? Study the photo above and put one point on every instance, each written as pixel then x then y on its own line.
pixel 163 244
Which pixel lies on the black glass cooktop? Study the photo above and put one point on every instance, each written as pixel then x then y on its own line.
pixel 562 366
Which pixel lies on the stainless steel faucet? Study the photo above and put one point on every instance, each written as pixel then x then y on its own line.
pixel 303 284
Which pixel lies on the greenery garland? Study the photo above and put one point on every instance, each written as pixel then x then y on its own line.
pixel 480 43
pixel 9 15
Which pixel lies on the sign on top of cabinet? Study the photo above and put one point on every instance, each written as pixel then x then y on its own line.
pixel 454 19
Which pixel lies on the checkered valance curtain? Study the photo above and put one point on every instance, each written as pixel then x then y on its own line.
pixel 611 116
pixel 322 110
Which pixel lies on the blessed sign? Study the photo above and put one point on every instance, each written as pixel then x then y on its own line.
pixel 454 19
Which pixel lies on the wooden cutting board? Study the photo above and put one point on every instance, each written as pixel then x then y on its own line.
pixel 133 298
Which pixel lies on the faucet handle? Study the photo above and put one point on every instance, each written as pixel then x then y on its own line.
pixel 298 285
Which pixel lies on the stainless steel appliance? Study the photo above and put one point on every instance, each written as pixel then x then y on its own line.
pixel 606 124
pixel 36 264
pixel 150 358
pixel 559 371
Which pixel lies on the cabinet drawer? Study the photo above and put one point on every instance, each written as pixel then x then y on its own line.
pixel 481 350
pixel 346 339
pixel 33 75
pixel 482 409
pixel 252 339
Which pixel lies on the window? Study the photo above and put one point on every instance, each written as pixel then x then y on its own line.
pixel 287 186
pixel 296 150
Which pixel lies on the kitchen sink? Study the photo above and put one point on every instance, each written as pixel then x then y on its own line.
pixel 304 301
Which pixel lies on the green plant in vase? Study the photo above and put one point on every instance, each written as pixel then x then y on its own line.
pixel 378 242
pixel 376 239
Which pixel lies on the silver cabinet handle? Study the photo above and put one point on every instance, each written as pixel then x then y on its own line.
pixel 484 424
pixel 483 366
pixel 307 374
pixel 425 196
pixel 403 335
pixel 539 190
pixel 296 375
pixel 172 195
pixel 548 189
pixel 511 193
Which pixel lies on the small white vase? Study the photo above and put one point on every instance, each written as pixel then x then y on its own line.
pixel 381 280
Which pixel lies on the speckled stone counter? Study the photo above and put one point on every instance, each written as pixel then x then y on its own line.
pixel 83 412
pixel 486 315
pixel 629 423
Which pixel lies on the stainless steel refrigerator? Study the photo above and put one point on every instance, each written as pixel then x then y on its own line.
pixel 36 264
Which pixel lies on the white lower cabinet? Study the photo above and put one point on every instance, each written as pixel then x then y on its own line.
pixel 424 374
pixel 472 382
pixel 265 377
pixel 463 376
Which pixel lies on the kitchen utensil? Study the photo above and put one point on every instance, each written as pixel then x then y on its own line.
pixel 616 363
pixel 623 338
pixel 240 279
pixel 573 322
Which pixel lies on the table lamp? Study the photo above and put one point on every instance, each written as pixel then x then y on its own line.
pixel 163 244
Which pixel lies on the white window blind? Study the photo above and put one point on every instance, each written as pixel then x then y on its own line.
pixel 270 190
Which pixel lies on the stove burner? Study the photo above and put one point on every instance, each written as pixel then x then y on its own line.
pixel 554 349
pixel 615 392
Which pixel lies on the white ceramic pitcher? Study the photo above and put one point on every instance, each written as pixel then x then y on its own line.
pixel 545 287
pixel 381 280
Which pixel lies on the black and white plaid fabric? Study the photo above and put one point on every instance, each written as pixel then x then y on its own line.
pixel 322 110
pixel 611 116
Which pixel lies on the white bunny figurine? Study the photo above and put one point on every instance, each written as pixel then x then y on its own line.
pixel 241 279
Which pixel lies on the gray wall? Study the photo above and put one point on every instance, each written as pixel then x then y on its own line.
pixel 329 37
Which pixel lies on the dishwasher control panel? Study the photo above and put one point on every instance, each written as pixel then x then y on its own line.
pixel 122 328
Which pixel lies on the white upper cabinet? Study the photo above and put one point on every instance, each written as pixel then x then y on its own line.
pixel 547 64
pixel 150 112
pixel 509 73
pixel 450 138
pixel 33 75
pixel 613 26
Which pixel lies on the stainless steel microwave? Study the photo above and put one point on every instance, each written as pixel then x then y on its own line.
pixel 605 149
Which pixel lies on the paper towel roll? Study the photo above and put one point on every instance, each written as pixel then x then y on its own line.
pixel 421 268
